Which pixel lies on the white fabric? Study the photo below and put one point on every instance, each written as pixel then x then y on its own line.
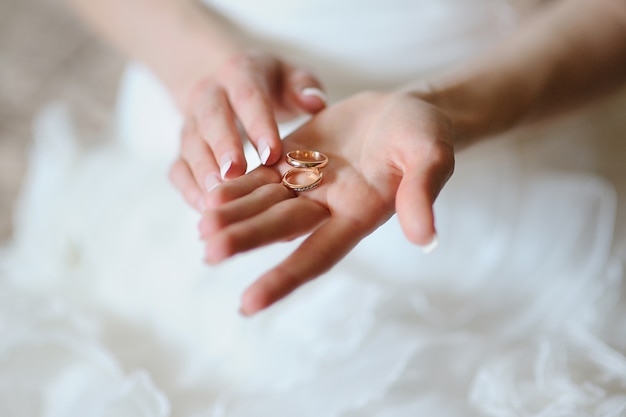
pixel 106 309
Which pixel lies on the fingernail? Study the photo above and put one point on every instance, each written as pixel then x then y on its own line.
pixel 225 165
pixel 428 248
pixel 264 151
pixel 316 92
pixel 212 181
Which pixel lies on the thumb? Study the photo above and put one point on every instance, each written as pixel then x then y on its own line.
pixel 416 195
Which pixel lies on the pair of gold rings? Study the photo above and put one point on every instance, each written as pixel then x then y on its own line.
pixel 305 174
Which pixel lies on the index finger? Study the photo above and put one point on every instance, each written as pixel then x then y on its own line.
pixel 330 243
pixel 251 100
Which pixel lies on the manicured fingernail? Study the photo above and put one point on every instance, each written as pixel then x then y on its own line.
pixel 212 181
pixel 264 151
pixel 428 248
pixel 225 165
pixel 316 92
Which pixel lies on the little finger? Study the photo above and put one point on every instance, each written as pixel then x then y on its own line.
pixel 317 254
pixel 181 177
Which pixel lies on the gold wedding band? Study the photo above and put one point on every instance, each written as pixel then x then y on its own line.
pixel 307 159
pixel 302 179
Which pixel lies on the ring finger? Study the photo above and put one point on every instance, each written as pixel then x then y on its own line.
pixel 286 220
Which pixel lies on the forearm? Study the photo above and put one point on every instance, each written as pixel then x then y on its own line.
pixel 177 39
pixel 569 53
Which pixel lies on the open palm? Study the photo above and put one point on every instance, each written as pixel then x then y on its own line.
pixel 388 153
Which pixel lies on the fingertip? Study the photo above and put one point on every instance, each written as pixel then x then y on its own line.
pixel 422 234
pixel 313 99
pixel 419 226
pixel 253 302
pixel 417 222
pixel 315 92
pixel 209 260
pixel 414 204
pixel 231 168
pixel 265 151
pixel 226 165
pixel 269 151
pixel 211 181
pixel 431 246
pixel 307 93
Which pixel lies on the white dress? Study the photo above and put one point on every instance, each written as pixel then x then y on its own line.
pixel 107 310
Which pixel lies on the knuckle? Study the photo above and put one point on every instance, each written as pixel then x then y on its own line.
pixel 210 110
pixel 235 62
pixel 442 154
pixel 235 65
pixel 245 94
pixel 185 142
pixel 206 88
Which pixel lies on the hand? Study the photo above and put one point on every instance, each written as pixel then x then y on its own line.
pixel 388 152
pixel 254 90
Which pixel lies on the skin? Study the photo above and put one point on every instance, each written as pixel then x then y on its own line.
pixel 390 152
pixel 255 89
pixel 214 78
pixel 383 159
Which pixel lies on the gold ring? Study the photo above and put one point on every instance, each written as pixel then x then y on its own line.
pixel 302 179
pixel 307 159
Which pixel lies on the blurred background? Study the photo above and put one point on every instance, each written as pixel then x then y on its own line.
pixel 46 56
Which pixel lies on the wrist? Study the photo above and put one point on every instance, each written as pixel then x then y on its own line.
pixel 462 119
pixel 197 45
pixel 477 107
pixel 198 63
pixel 199 66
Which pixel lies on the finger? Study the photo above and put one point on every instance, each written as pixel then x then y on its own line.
pixel 243 208
pixel 182 178
pixel 199 159
pixel 218 128
pixel 250 97
pixel 239 187
pixel 284 221
pixel 303 92
pixel 317 254
pixel 417 192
